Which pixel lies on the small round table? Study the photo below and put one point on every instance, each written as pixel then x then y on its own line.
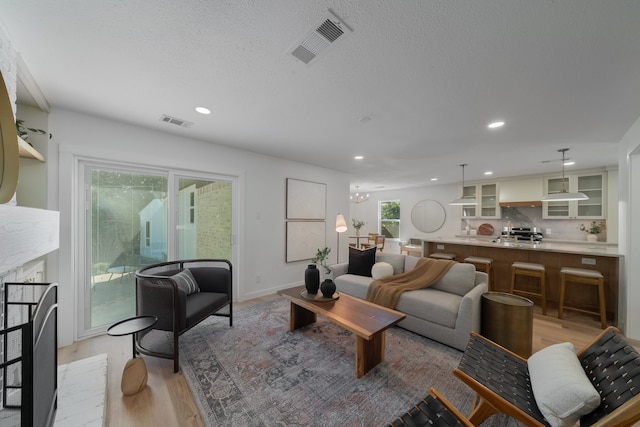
pixel 134 375
pixel 507 320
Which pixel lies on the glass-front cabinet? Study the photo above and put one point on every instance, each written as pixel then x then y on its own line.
pixel 489 207
pixel 556 209
pixel 469 192
pixel 593 185
pixel 487 197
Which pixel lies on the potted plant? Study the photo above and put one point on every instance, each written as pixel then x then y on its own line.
pixel 357 224
pixel 593 229
pixel 321 259
pixel 24 131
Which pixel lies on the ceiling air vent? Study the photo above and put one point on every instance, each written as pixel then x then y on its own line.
pixel 175 121
pixel 322 35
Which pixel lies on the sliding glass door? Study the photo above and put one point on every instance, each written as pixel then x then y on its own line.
pixel 204 218
pixel 136 217
pixel 126 227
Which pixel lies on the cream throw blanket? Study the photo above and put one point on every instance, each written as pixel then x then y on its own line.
pixel 387 291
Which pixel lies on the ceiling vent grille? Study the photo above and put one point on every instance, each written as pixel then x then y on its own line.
pixel 322 35
pixel 175 121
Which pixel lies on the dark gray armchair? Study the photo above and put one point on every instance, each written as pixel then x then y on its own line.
pixel 158 293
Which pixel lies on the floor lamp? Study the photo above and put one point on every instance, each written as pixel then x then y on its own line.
pixel 341 227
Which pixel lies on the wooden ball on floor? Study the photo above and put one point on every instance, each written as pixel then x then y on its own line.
pixel 134 376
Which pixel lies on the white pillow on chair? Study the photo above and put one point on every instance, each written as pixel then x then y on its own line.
pixel 560 386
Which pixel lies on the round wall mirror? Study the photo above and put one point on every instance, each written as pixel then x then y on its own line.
pixel 8 147
pixel 428 216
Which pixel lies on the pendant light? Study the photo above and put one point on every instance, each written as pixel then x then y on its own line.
pixel 464 200
pixel 564 195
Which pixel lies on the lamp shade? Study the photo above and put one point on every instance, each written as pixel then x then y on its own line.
pixel 341 224
pixel 463 201
pixel 564 197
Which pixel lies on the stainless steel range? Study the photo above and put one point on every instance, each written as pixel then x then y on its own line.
pixel 524 234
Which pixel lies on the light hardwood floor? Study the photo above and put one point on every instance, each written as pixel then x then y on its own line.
pixel 167 400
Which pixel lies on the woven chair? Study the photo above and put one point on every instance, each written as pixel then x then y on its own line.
pixel 501 380
pixel 433 410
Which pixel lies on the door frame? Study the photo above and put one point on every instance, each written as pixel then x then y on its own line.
pixel 82 253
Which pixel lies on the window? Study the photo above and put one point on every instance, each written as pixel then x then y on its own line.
pixel 389 214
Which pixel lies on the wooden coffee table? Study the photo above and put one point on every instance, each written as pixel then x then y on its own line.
pixel 366 320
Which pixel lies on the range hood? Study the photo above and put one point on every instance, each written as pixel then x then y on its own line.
pixel 532 203
pixel 521 193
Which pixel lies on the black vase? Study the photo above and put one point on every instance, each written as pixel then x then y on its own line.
pixel 328 288
pixel 312 279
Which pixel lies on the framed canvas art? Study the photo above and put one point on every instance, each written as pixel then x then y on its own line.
pixel 304 238
pixel 306 200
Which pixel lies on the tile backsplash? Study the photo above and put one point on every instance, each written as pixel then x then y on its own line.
pixel 561 229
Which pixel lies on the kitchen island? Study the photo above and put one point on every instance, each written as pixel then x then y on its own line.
pixel 553 255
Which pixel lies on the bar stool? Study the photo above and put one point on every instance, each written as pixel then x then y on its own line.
pixel 532 270
pixel 587 277
pixel 482 264
pixel 443 255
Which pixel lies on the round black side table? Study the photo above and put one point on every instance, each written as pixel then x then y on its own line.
pixel 134 375
pixel 507 320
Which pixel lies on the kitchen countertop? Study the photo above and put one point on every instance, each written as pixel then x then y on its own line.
pixel 548 245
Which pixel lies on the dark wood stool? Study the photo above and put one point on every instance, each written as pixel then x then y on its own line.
pixel 585 277
pixel 482 264
pixel 531 270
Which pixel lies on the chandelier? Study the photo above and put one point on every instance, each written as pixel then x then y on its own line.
pixel 358 198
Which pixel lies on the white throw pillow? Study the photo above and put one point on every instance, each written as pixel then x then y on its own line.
pixel 380 270
pixel 560 385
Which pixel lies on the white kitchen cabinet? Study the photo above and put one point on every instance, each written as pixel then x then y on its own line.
pixel 487 197
pixel 593 185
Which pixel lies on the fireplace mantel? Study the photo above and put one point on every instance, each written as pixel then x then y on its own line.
pixel 26 234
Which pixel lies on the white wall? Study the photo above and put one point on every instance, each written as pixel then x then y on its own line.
pixel 629 230
pixel 31 190
pixel 368 212
pixel 261 234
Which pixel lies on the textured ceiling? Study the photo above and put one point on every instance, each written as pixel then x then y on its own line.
pixel 429 74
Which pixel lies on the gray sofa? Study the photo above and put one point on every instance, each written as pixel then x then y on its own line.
pixel 446 311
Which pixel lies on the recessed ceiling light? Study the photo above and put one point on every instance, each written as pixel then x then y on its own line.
pixel 488 173
pixel 569 163
pixel 365 119
pixel 495 125
pixel 434 179
pixel 203 110
pixel 358 157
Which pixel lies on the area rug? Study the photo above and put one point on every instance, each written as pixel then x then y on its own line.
pixel 257 373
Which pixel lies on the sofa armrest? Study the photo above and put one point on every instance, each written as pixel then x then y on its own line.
pixel 339 269
pixel 469 315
